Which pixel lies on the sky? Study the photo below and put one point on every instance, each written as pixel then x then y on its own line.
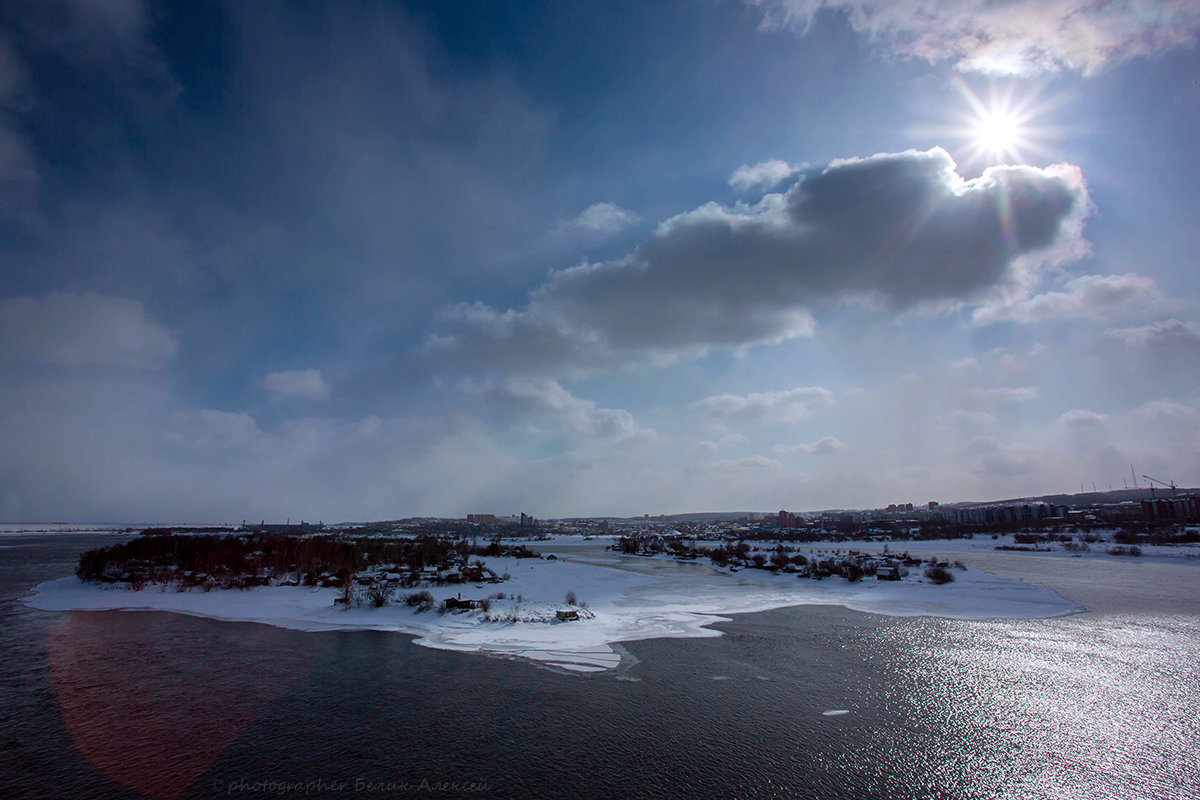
pixel 350 261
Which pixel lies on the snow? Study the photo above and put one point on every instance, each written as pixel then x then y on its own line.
pixel 1172 553
pixel 629 597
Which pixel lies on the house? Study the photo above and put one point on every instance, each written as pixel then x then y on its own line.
pixel 887 573
pixel 458 604
pixel 567 614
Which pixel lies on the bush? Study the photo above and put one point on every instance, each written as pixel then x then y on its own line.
pixel 938 574
pixel 379 595
pixel 422 600
pixel 571 599
pixel 852 571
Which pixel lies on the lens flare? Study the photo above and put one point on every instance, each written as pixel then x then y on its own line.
pixel 1001 124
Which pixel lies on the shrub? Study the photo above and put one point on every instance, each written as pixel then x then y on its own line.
pixel 852 571
pixel 571 599
pixel 938 574
pixel 379 595
pixel 422 600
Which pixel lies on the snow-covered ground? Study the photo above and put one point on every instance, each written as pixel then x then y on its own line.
pixel 984 543
pixel 630 597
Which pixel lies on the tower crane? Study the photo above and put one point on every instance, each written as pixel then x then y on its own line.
pixel 1170 485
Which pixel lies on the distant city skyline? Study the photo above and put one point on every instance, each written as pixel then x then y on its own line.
pixel 379 260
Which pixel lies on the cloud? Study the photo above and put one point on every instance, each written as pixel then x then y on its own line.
pixel 822 447
pixel 113 36
pixel 989 458
pixel 972 419
pixel 903 229
pixel 603 218
pixel 549 399
pixel 1085 296
pixel 306 383
pixel 1082 418
pixel 1003 395
pixel 74 330
pixel 713 445
pixel 787 406
pixel 763 175
pixel 739 464
pixel 19 176
pixel 1172 415
pixel 1019 37
pixel 106 39
pixel 208 429
pixel 1169 335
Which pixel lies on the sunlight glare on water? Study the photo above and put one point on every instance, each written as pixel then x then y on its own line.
pixel 1071 708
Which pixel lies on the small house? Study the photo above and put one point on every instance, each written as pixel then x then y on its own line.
pixel 567 614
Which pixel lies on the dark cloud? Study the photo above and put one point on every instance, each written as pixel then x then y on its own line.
pixel 1170 335
pixel 900 229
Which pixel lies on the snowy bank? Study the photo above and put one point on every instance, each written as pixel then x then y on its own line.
pixel 630 597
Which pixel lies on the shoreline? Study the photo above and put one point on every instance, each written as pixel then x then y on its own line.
pixel 631 598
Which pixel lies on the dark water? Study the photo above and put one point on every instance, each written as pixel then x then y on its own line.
pixel 1097 705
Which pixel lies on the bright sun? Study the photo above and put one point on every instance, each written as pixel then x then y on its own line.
pixel 997 132
pixel 999 128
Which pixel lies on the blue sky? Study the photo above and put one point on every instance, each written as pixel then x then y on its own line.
pixel 352 261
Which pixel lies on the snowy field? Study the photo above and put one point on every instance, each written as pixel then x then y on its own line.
pixel 627 598
pixel 984 543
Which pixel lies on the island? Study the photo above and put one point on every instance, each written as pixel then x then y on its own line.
pixel 563 601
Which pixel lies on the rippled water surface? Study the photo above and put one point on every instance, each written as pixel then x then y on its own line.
pixel 133 704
